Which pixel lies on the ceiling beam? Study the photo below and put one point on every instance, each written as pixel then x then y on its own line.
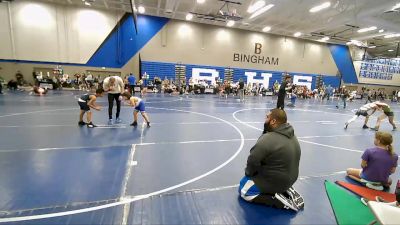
pixel 176 8
pixel 158 7
pixel 123 5
pixel 170 6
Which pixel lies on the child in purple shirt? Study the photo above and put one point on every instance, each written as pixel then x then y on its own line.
pixel 377 163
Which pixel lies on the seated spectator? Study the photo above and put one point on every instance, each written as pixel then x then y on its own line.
pixel 377 163
pixel 273 166
pixel 12 85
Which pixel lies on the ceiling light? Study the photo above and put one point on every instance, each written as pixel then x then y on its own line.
pixel 230 23
pixel 261 11
pixel 201 1
pixel 325 39
pixel 372 46
pixel 141 9
pixel 189 16
pixel 396 7
pixel 390 50
pixel 256 6
pixel 381 30
pixel 87 3
pixel 367 29
pixel 297 34
pixel 320 7
pixel 358 43
pixel 392 35
pixel 266 29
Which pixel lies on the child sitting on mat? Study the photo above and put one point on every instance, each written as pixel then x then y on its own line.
pixel 377 163
pixel 138 103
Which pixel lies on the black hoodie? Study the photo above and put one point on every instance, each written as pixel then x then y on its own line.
pixel 273 163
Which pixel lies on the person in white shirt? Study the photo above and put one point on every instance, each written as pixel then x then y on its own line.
pixel 89 80
pixel 114 85
pixel 366 110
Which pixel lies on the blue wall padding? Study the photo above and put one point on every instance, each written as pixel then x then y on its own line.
pixel 167 70
pixel 344 62
pixel 123 43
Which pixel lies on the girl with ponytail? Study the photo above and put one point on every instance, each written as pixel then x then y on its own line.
pixel 377 163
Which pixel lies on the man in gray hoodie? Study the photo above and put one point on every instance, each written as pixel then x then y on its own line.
pixel 273 165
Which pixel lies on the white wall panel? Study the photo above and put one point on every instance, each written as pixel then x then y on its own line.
pixel 35 31
pixel 54 32
pixel 194 43
pixel 5 38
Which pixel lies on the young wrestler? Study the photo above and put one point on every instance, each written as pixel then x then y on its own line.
pixel 387 112
pixel 86 102
pixel 39 91
pixel 138 103
pixel 366 110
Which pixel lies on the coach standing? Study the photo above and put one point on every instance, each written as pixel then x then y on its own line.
pixel 114 85
pixel 282 92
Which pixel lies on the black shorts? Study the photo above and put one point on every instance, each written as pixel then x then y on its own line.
pixel 389 113
pixel 361 113
pixel 84 106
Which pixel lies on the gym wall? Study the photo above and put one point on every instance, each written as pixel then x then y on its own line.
pixel 193 43
pixel 83 39
pixel 43 32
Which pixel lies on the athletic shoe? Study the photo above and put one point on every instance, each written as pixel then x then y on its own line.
pixel 286 201
pixel 365 127
pixel 81 123
pixel 374 129
pixel 380 199
pixel 91 125
pixel 110 122
pixel 345 125
pixel 118 120
pixel 134 124
pixel 377 198
pixel 364 201
pixel 148 124
pixel 296 198
pixel 373 186
pixel 394 128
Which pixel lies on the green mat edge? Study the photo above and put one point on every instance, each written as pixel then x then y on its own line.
pixel 330 200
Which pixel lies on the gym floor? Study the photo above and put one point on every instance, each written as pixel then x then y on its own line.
pixel 184 169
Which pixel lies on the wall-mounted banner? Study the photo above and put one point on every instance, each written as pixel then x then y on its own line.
pixel 256 58
pixel 303 81
pixel 205 74
pixel 252 80
pixel 249 76
pixel 380 69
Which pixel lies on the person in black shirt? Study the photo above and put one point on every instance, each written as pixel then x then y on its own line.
pixel 86 102
pixel 241 89
pixel 273 166
pixel 282 92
